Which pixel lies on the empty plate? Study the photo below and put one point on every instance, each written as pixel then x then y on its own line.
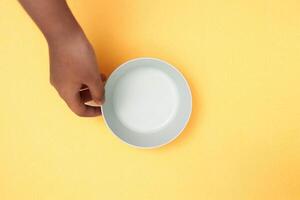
pixel 148 102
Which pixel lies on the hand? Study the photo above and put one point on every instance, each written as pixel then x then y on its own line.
pixel 73 66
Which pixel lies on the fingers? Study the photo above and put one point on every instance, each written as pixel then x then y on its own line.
pixel 96 89
pixel 81 100
pixel 85 95
pixel 76 104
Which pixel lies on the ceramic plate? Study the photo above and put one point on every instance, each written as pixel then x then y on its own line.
pixel 148 102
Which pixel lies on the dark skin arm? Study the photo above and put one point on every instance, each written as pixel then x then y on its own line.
pixel 73 62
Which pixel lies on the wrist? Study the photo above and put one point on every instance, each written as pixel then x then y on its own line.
pixel 69 38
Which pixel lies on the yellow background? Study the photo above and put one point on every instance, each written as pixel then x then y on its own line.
pixel 242 60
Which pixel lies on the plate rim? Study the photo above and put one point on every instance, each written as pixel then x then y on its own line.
pixel 115 71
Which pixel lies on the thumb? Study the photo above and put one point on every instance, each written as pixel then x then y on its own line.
pixel 97 91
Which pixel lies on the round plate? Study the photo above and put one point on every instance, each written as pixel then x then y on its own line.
pixel 148 102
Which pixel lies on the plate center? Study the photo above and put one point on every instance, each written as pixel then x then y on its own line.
pixel 145 99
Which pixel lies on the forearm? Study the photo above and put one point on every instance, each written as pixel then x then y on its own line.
pixel 54 19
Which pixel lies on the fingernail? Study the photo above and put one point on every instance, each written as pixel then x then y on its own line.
pixel 93 103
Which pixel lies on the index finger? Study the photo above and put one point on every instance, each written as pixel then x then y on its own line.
pixel 76 104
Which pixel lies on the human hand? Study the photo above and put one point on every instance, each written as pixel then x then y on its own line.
pixel 73 66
